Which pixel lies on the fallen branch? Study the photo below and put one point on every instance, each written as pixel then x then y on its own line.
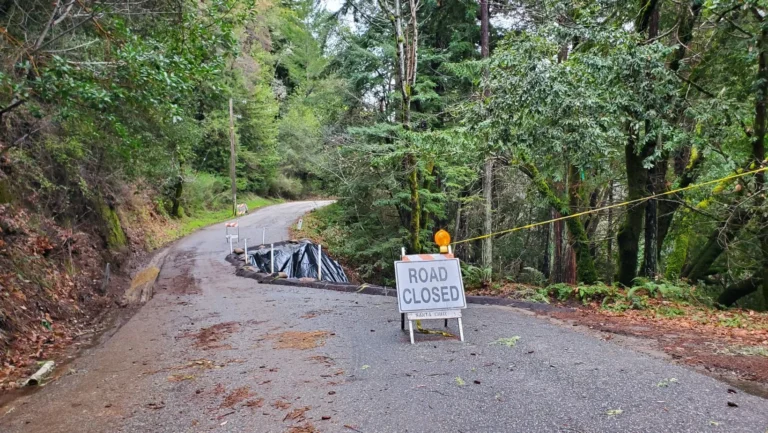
pixel 36 378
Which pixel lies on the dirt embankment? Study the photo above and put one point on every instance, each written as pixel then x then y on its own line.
pixel 58 284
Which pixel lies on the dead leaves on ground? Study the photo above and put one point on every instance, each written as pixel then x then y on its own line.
pixel 281 404
pixel 306 428
pixel 238 395
pixel 301 340
pixel 296 414
pixel 211 337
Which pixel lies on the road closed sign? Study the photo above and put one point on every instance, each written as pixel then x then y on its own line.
pixel 429 285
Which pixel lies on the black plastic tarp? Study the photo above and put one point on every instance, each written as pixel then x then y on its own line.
pixel 298 260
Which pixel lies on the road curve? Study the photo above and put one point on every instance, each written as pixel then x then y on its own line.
pixel 215 352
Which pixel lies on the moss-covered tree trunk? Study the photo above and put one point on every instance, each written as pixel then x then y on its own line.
pixel 585 265
pixel 177 191
pixel 628 238
pixel 686 176
pixel 716 244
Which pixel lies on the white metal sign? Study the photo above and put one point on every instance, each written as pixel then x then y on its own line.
pixel 429 285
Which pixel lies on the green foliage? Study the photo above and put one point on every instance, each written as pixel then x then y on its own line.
pixel 474 276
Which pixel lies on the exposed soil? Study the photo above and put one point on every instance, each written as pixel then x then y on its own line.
pixel 736 355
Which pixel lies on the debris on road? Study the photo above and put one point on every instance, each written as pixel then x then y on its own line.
pixel 509 342
pixel 211 337
pixel 281 404
pixel 614 412
pixel 237 396
pixel 306 428
pixel 296 414
pixel 41 373
pixel 299 339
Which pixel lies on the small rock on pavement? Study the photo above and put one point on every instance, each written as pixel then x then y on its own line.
pixel 326 417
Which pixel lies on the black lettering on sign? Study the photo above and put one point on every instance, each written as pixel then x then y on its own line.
pixel 444 293
pixel 454 293
pixel 443 274
pixel 412 276
pixel 433 275
pixel 407 292
pixel 425 295
pixel 435 294
pixel 423 275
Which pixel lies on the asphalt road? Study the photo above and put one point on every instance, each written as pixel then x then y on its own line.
pixel 216 352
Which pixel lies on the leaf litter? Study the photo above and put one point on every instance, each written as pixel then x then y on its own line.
pixel 301 340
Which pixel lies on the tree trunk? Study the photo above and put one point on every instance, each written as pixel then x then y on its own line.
pixel 487 253
pixel 178 189
pixel 716 244
pixel 558 270
pixel 487 243
pixel 737 291
pixel 609 272
pixel 651 247
pixel 413 186
pixel 584 263
pixel 667 208
pixel 628 238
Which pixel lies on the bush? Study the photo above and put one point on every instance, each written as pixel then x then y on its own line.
pixel 531 276
pixel 285 187
pixel 203 191
pixel 474 276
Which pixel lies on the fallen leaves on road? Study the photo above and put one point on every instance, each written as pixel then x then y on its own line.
pixel 614 412
pixel 365 367
pixel 306 428
pixel 296 414
pixel 509 342
pixel 236 396
pixel 460 381
pixel 210 338
pixel 281 404
pixel 299 339
pixel 259 402
pixel 180 377
pixel 326 360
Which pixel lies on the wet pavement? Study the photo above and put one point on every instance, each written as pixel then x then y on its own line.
pixel 215 352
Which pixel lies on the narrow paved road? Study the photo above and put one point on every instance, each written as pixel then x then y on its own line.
pixel 215 352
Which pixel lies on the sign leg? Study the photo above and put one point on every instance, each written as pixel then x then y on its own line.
pixel 461 330
pixel 402 321
pixel 410 326
pixel 446 323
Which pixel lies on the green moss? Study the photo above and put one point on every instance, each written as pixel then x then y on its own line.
pixel 676 259
pixel 5 192
pixel 585 264
pixel 114 230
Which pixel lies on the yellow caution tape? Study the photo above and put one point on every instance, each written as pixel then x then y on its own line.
pixel 626 203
